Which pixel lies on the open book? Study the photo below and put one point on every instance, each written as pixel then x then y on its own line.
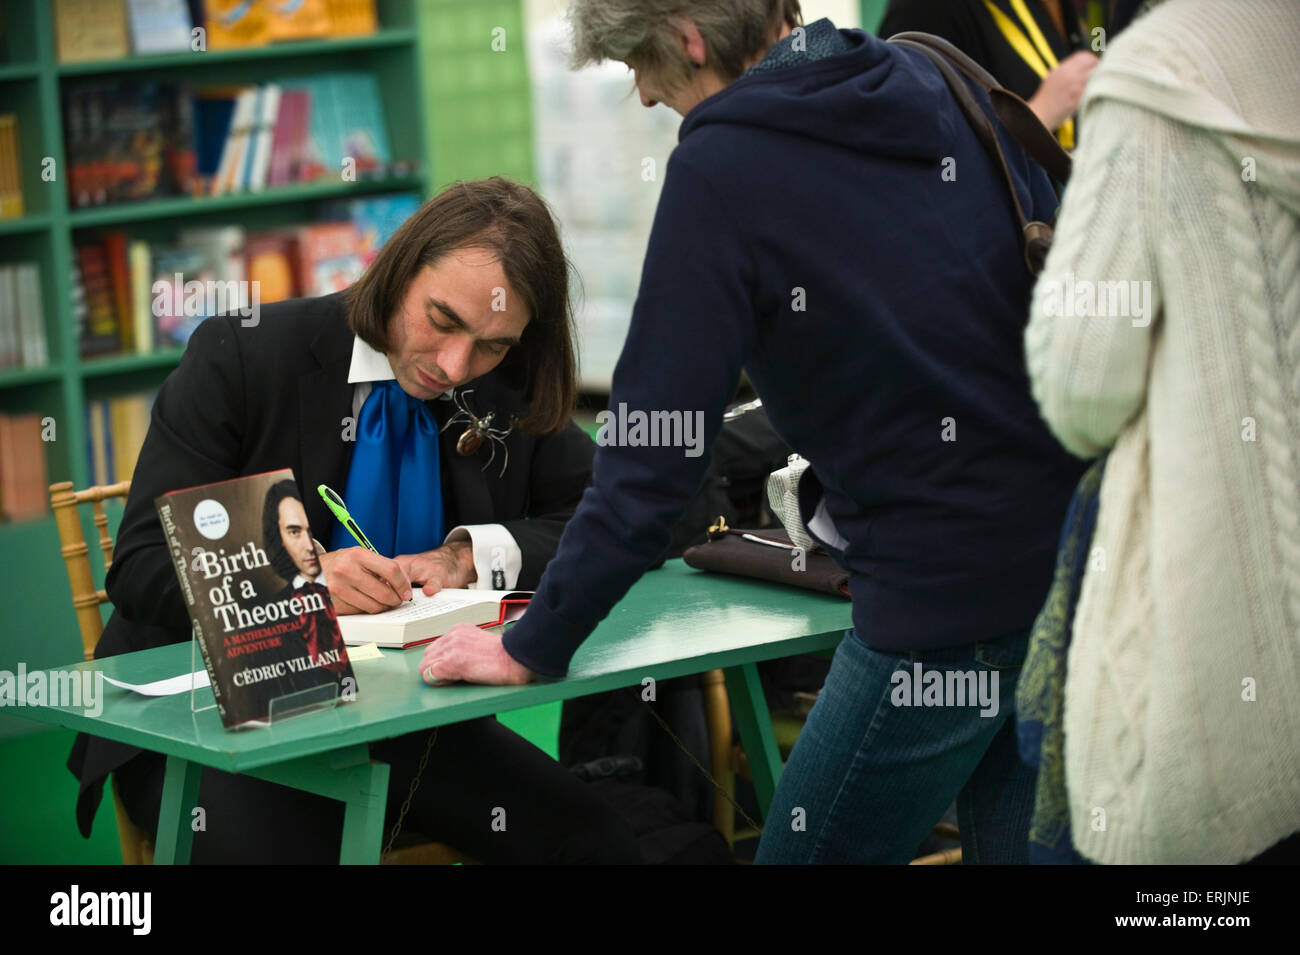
pixel 425 618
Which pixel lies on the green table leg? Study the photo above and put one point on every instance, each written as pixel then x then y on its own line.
pixel 349 776
pixel 749 709
pixel 363 821
pixel 179 797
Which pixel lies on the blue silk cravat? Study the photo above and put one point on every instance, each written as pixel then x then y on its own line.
pixel 394 489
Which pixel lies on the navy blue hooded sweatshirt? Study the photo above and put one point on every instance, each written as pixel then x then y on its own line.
pixel 835 229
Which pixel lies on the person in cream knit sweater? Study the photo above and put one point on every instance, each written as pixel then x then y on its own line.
pixel 1165 330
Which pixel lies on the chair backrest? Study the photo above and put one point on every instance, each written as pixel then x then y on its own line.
pixel 86 597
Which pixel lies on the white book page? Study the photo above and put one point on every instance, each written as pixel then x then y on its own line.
pixel 420 606
pixel 423 616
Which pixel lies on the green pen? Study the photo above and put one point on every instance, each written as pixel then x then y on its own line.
pixel 340 510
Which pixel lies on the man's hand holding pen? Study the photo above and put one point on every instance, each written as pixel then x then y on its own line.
pixel 362 581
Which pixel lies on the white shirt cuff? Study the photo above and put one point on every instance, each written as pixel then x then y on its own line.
pixel 823 525
pixel 497 557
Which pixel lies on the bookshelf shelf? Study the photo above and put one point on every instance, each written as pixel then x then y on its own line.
pixel 30 223
pixel 383 39
pixel 10 377
pixel 184 206
pixel 123 364
pixel 19 71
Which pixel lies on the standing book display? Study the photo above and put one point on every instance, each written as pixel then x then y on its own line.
pixel 261 612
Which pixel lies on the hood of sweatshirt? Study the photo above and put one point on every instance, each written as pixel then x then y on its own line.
pixel 875 98
pixel 1232 69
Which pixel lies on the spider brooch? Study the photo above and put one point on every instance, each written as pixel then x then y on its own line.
pixel 476 430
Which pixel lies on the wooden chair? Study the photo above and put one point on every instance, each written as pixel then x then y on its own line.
pixel 86 601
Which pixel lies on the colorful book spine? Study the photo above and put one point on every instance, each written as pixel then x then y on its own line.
pixel 10 341
pixel 11 182
pixel 23 475
pixel 31 315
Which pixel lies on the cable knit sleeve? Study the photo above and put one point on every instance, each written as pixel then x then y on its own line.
pixel 1097 303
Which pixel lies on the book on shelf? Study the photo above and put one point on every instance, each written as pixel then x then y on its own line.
pixel 119 274
pixel 90 30
pixel 352 17
pixel 22 318
pixel 292 131
pixel 329 257
pixel 270 262
pixel 128 141
pixel 257 599
pixel 30 309
pixel 299 20
pixel 132 295
pixel 222 251
pixel 11 353
pixel 259 147
pixel 376 218
pixel 115 433
pixel 23 479
pixel 424 619
pixel 159 26
pixel 11 180
pixel 176 310
pixel 139 265
pixel 100 334
pixel 346 122
pixel 232 24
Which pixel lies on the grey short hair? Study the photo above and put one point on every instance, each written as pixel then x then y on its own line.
pixel 642 31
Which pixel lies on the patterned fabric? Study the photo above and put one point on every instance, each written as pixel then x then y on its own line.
pixel 817 41
pixel 1040 695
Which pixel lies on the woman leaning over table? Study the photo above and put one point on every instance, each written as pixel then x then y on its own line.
pixel 807 234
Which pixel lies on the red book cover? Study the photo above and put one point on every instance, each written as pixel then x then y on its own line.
pixel 100 334
pixel 329 256
pixel 307 166
pixel 119 273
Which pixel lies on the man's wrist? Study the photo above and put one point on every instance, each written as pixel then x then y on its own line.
pixel 463 552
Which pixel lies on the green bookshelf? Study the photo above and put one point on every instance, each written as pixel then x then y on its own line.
pixel 455 105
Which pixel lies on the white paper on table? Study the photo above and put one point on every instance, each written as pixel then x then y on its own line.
pixel 179 684
pixel 169 687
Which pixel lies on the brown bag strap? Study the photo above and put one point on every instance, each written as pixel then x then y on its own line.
pixel 1013 112
pixel 1020 121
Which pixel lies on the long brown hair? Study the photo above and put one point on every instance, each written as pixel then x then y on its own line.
pixel 513 222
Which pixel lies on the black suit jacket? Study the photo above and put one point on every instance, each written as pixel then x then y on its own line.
pixel 246 400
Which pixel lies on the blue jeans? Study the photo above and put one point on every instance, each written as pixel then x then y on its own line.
pixel 869 777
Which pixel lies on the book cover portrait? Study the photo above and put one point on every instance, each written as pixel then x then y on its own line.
pixel 256 595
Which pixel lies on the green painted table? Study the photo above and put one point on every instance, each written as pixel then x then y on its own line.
pixel 674 622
